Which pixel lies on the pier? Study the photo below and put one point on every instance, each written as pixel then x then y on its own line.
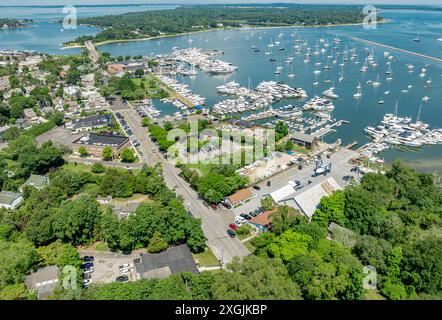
pixel 399 49
pixel 324 131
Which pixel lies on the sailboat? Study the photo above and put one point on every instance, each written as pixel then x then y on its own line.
pixel 417 38
pixel 341 78
pixel 358 94
pixel 364 68
pixel 376 83
pixel 328 64
pixel 316 81
pixel 389 73
pixel 440 39
pixel 292 74
pixel 381 101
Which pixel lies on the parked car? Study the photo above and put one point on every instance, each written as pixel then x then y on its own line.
pixel 253 213
pixel 348 178
pixel 238 223
pixel 245 216
pixel 125 266
pixel 88 258
pixel 88 265
pixel 87 282
pixel 88 270
pixel 256 188
pixel 87 276
pixel 269 183
pixel 213 206
pixel 240 219
pixel 233 227
pixel 231 233
pixel 122 278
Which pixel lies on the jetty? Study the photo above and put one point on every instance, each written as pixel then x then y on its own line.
pixel 398 49
pixel 326 130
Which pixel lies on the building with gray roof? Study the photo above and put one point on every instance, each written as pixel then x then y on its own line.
pixel 36 181
pixel 44 281
pixel 161 265
pixel 10 200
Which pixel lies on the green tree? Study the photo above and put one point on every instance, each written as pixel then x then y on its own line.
pixel 83 151
pixel 255 278
pixel 157 243
pixel 107 153
pixel 127 155
pixel 331 209
pixel 268 204
pixel 17 259
pixel 76 220
pixel 98 168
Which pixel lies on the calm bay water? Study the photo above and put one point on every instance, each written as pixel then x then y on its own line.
pixel 256 67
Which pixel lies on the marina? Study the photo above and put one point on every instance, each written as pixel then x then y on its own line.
pixel 314 59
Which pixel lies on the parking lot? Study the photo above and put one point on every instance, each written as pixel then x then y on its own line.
pixel 106 265
pixel 59 135
pixel 340 168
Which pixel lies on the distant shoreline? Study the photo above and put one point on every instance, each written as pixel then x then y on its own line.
pixel 76 46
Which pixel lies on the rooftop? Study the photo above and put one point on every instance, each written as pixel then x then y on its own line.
pixel 264 219
pixel 98 119
pixel 44 281
pixel 298 136
pixel 282 193
pixel 160 265
pixel 93 139
pixel 8 197
pixel 37 181
pixel 240 195
pixel 308 200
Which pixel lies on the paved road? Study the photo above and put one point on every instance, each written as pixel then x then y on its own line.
pixel 213 224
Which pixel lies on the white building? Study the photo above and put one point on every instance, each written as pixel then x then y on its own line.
pixel 10 200
pixel 305 200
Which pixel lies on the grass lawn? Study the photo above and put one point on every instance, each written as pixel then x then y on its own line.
pixel 202 168
pixel 206 259
pixel 80 167
pixel 373 295
pixel 138 197
pixel 301 149
pixel 249 246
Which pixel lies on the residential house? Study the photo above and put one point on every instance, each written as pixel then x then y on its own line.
pixel 36 181
pixel 239 197
pixel 30 116
pixel 43 281
pixel 10 200
pixel 115 68
pixel 164 264
pixel 123 211
pixel 104 200
pixel 4 83
pixel 305 140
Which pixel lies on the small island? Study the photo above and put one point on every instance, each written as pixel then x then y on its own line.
pixel 190 19
pixel 6 24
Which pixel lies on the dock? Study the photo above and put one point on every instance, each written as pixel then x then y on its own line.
pixel 398 49
pixel 324 131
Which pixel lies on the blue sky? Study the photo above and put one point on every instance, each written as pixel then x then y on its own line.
pixel 74 2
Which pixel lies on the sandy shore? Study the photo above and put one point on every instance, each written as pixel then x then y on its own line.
pixel 216 29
